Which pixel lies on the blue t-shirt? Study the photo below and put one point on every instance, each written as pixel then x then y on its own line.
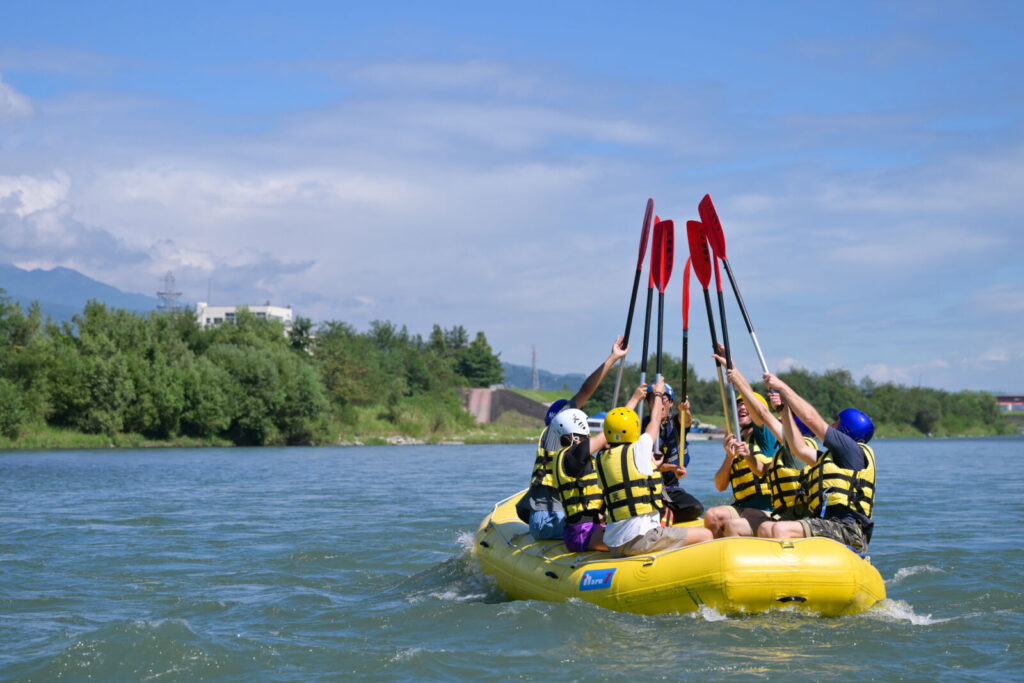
pixel 848 454
pixel 765 440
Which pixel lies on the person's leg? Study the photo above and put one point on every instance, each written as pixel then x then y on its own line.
pixel 596 540
pixel 685 508
pixel 738 527
pixel 847 533
pixel 546 524
pixel 664 538
pixel 716 518
pixel 782 530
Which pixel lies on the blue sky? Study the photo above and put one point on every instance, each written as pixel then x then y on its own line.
pixel 488 164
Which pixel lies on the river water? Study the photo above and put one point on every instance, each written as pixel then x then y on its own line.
pixel 305 564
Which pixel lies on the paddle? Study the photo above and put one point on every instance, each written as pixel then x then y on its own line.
pixel 645 230
pixel 661 270
pixel 686 322
pixel 700 257
pixel 725 340
pixel 647 319
pixel 716 237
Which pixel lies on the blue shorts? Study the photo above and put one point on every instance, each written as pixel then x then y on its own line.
pixel 546 524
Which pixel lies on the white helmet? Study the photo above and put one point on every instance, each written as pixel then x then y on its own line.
pixel 572 421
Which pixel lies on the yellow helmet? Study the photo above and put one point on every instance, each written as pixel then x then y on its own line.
pixel 621 425
pixel 759 398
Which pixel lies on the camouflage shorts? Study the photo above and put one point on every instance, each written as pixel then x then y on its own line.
pixel 847 533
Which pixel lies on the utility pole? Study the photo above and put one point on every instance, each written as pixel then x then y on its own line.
pixel 536 375
pixel 168 296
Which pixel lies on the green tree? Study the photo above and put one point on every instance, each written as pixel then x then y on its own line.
pixel 478 363
pixel 12 414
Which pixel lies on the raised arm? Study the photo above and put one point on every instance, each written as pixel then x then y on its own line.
pixel 591 383
pixel 801 408
pixel 722 475
pixel 759 413
pixel 638 395
pixel 657 410
pixel 794 439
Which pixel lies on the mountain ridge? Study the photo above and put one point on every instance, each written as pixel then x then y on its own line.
pixel 62 292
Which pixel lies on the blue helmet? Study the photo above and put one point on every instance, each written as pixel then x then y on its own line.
pixel 668 390
pixel 554 409
pixel 804 429
pixel 856 424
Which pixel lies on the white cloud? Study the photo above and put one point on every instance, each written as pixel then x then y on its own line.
pixel 13 105
pixel 506 198
pixel 23 195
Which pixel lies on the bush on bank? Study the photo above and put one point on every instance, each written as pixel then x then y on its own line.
pixel 115 377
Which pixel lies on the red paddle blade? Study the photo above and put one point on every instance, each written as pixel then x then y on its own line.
pixel 700 256
pixel 668 251
pixel 654 254
pixel 645 231
pixel 686 295
pixel 712 226
pixel 718 277
pixel 656 250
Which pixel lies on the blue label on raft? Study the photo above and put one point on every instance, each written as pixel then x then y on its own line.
pixel 595 579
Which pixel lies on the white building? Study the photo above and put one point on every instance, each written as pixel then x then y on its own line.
pixel 211 316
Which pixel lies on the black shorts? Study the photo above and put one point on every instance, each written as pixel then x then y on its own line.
pixel 685 508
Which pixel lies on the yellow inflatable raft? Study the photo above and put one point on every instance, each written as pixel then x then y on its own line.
pixel 730 575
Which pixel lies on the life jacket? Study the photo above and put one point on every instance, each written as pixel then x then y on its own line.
pixel 785 483
pixel 581 497
pixel 626 492
pixel 744 482
pixel 668 446
pixel 542 475
pixel 830 486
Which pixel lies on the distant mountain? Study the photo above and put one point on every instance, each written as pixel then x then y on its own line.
pixel 62 292
pixel 521 377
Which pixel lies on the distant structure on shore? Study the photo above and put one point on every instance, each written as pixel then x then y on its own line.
pixel 490 405
pixel 211 316
pixel 168 295
pixel 1009 404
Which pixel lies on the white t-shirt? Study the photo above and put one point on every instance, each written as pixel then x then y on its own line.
pixel 620 533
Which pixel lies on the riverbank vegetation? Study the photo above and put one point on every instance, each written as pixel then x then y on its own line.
pixel 897 410
pixel 110 377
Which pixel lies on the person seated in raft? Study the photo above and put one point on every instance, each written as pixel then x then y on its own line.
pixel 840 486
pixel 579 489
pixel 680 506
pixel 786 475
pixel 751 496
pixel 781 474
pixel 631 486
pixel 540 507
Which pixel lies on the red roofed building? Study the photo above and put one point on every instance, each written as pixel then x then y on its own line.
pixel 1010 403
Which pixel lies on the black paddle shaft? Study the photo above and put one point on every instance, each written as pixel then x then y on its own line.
pixel 725 331
pixel 647 328
pixel 632 307
pixel 739 297
pixel 711 321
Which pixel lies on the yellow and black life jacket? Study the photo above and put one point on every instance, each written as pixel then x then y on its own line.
pixel 744 482
pixel 581 498
pixel 786 483
pixel 541 475
pixel 627 493
pixel 830 486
